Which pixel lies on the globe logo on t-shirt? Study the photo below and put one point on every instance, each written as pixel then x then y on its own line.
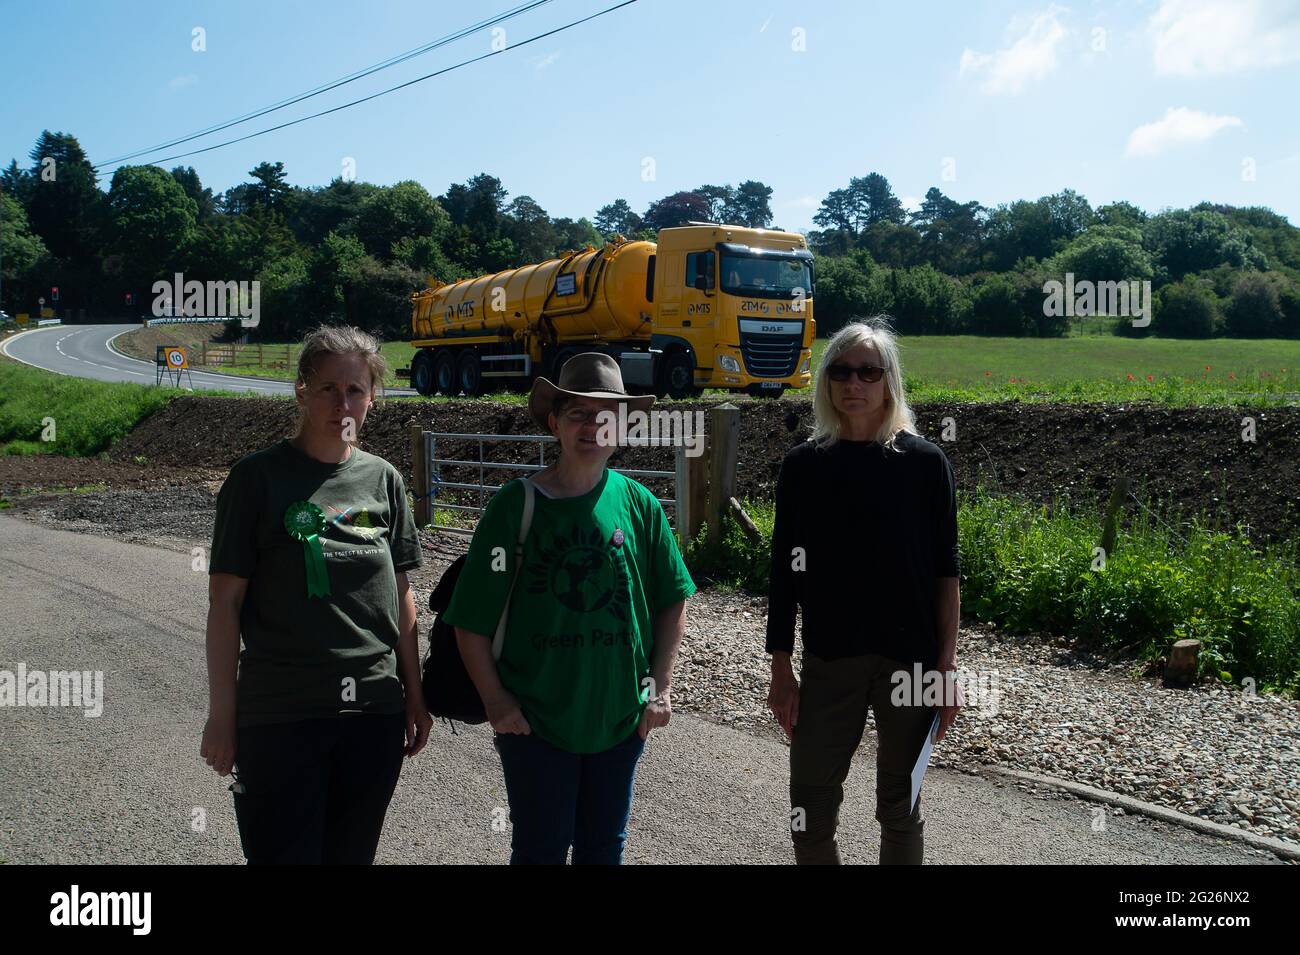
pixel 583 572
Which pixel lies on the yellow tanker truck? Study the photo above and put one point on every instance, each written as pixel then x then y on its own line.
pixel 708 306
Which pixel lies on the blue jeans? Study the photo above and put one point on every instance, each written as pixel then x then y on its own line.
pixel 560 799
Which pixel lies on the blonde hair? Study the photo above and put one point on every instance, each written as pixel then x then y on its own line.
pixel 338 340
pixel 876 333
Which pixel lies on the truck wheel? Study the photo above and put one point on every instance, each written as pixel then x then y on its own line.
pixel 422 374
pixel 444 373
pixel 469 374
pixel 679 375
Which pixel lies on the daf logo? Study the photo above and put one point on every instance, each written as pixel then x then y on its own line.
pixel 770 328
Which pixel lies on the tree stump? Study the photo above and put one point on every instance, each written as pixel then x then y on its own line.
pixel 1180 670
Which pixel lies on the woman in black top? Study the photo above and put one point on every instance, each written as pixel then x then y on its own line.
pixel 865 543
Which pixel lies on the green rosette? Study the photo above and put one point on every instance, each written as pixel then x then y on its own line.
pixel 304 521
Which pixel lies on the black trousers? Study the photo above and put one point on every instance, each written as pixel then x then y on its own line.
pixel 316 791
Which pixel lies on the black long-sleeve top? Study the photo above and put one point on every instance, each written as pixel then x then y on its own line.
pixel 877 529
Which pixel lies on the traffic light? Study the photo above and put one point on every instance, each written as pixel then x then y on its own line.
pixel 130 299
pixel 54 294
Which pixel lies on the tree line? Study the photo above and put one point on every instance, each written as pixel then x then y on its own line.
pixel 353 251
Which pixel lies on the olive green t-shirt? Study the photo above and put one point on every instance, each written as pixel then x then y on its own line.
pixel 579 638
pixel 307 657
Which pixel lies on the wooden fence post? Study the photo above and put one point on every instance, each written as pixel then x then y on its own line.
pixel 745 521
pixel 697 490
pixel 724 428
pixel 419 475
pixel 1110 528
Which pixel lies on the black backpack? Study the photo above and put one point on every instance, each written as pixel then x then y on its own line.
pixel 449 693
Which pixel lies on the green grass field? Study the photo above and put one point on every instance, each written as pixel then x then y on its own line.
pixel 1098 368
pixel 1086 368
pixel 45 413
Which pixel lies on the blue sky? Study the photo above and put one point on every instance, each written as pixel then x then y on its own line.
pixel 1163 103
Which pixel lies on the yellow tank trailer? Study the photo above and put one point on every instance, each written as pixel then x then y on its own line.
pixel 708 306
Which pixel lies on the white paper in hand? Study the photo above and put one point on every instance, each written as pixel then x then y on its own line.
pixel 922 761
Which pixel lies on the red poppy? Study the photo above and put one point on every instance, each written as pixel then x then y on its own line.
pixel 1149 378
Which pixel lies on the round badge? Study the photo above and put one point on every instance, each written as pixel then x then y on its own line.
pixel 617 538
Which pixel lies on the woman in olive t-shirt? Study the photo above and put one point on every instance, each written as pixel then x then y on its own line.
pixel 312 541
pixel 595 619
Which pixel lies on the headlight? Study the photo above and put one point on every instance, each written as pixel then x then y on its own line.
pixel 727 363
pixel 806 366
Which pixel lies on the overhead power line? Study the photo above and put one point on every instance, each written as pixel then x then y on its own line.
pixel 334 84
pixel 391 89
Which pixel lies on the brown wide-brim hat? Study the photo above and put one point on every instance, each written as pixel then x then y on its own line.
pixel 591 374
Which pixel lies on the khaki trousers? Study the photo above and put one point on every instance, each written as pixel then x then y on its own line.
pixel 834 698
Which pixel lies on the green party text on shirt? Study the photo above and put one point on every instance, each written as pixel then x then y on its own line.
pixel 580 637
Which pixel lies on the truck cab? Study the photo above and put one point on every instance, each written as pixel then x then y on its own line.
pixel 732 309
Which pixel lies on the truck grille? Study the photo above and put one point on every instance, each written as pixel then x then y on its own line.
pixel 770 356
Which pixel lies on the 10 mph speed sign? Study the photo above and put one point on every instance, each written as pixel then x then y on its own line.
pixel 176 358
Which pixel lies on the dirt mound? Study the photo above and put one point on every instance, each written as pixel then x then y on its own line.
pixel 1194 457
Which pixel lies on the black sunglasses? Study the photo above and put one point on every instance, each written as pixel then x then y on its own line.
pixel 868 373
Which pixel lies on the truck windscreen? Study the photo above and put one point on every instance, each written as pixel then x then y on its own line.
pixel 763 277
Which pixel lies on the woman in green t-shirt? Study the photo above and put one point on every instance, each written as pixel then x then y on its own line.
pixel 312 541
pixel 596 614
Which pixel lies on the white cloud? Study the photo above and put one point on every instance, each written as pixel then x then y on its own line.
pixel 180 82
pixel 542 62
pixel 803 202
pixel 1028 53
pixel 910 202
pixel 1178 127
pixel 1194 37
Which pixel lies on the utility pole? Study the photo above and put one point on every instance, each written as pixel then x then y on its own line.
pixel 2 250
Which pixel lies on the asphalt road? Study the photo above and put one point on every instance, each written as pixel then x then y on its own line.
pixel 129 786
pixel 86 351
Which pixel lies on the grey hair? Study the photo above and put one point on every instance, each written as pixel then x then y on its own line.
pixel 874 332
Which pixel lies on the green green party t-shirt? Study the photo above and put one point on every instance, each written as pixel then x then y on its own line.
pixel 307 657
pixel 579 638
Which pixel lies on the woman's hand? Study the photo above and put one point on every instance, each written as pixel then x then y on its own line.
pixel 948 714
pixel 783 694
pixel 418 725
pixel 218 747
pixel 504 714
pixel 657 712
